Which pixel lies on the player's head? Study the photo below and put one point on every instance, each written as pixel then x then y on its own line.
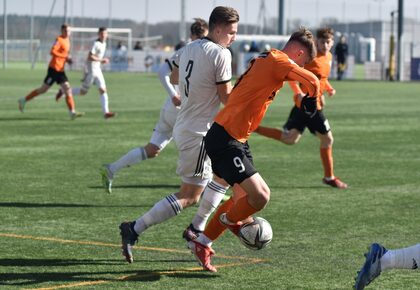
pixel 301 47
pixel 102 33
pixel 65 30
pixel 223 25
pixel 198 29
pixel 324 40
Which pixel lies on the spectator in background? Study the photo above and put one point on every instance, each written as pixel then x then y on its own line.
pixel 138 46
pixel 254 47
pixel 341 52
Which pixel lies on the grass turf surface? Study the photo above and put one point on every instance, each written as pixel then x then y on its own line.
pixel 59 229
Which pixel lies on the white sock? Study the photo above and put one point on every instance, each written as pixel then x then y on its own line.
pixel 406 258
pixel 104 103
pixel 75 91
pixel 212 196
pixel 162 210
pixel 134 156
pixel 204 240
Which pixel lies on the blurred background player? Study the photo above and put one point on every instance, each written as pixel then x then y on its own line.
pixel 318 124
pixel 204 72
pixel 341 53
pixel 226 141
pixel 379 259
pixel 162 133
pixel 93 73
pixel 60 56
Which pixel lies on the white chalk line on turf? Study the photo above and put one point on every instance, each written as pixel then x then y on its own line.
pixel 244 261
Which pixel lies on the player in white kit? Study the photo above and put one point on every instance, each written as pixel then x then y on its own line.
pixel 204 76
pixel 162 133
pixel 93 72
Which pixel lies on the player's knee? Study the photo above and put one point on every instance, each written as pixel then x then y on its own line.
pixel 102 91
pixel 290 139
pixel 152 150
pixel 260 200
pixel 83 92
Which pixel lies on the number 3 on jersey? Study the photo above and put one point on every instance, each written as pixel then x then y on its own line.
pixel 238 163
pixel 188 70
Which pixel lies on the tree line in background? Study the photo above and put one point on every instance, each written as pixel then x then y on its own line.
pixel 46 28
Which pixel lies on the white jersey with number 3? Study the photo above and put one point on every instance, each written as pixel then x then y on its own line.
pixel 202 65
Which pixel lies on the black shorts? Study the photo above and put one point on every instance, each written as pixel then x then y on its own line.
pixel 299 121
pixel 230 159
pixel 54 76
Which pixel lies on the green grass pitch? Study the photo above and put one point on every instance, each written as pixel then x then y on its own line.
pixel 59 229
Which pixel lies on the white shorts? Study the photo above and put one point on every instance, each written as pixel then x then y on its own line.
pixel 162 133
pixel 194 166
pixel 94 77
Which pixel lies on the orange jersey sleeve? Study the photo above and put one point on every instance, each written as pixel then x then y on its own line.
pixel 59 52
pixel 320 67
pixel 253 93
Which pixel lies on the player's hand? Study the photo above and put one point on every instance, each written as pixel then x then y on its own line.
pixel 69 60
pixel 176 100
pixel 331 93
pixel 105 60
pixel 308 106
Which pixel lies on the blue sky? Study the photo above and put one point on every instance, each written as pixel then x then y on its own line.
pixel 315 10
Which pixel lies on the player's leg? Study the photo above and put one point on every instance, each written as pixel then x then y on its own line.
pixel 320 126
pixel 86 83
pixel 232 161
pixel 193 183
pixel 294 127
pixel 99 81
pixel 162 135
pixel 201 246
pixel 48 82
pixel 211 197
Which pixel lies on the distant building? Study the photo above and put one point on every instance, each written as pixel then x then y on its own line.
pixel 381 32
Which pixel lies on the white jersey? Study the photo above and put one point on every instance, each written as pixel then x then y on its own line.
pixel 202 65
pixel 98 49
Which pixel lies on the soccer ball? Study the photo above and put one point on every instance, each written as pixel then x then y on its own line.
pixel 257 234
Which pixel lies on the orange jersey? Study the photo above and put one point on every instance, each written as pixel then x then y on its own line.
pixel 321 67
pixel 255 90
pixel 59 52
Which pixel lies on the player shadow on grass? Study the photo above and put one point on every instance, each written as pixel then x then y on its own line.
pixel 139 186
pixel 65 205
pixel 35 277
pixel 24 119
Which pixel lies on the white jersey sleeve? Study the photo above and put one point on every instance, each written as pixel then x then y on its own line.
pixel 164 72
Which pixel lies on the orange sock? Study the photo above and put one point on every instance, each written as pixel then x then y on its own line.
pixel 269 132
pixel 240 210
pixel 215 228
pixel 32 95
pixel 70 103
pixel 327 161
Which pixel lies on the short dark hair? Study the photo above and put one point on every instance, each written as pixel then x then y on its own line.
pixel 102 28
pixel 64 26
pixel 199 27
pixel 304 37
pixel 326 32
pixel 223 15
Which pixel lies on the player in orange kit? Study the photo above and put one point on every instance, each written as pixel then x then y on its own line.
pixel 60 56
pixel 226 141
pixel 318 125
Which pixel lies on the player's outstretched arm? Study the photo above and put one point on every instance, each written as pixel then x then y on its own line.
pixel 269 132
pixel 307 79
